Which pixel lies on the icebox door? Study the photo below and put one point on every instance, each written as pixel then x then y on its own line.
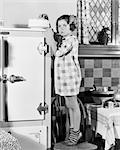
pixel 24 61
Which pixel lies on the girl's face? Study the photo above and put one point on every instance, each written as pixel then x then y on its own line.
pixel 63 28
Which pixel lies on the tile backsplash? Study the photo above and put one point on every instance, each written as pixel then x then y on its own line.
pixel 100 72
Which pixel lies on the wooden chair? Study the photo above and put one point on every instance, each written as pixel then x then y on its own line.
pixel 59 105
pixel 80 146
pixel 58 112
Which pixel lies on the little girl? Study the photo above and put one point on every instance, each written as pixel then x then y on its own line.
pixel 68 74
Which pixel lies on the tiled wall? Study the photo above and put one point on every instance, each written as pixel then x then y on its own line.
pixel 100 72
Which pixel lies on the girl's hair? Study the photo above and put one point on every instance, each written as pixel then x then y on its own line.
pixel 69 19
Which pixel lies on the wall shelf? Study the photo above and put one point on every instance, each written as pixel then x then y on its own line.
pixel 99 51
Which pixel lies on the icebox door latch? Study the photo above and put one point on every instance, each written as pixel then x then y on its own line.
pixel 41 108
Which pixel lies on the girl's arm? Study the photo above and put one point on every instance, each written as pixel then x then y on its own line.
pixel 49 35
pixel 49 41
pixel 64 49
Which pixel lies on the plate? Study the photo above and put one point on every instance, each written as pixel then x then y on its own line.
pixel 103 93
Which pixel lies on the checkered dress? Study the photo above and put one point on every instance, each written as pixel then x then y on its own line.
pixel 67 68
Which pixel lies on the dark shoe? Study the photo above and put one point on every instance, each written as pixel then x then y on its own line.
pixel 74 138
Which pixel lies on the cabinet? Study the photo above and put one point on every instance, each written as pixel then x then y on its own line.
pixel 25 85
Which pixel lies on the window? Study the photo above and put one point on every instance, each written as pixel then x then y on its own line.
pixel 93 15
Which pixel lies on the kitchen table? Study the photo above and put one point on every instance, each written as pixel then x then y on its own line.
pixel 105 121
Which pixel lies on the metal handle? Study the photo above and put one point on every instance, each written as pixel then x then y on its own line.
pixel 4 33
pixel 12 78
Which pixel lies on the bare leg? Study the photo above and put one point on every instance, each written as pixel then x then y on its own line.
pixel 71 118
pixel 67 121
pixel 76 114
pixel 75 119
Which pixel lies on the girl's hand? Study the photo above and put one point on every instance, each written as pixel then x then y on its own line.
pixel 57 54
pixel 42 48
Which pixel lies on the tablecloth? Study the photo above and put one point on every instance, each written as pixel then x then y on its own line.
pixel 105 121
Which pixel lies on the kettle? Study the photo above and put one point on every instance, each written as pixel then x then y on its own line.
pixel 103 36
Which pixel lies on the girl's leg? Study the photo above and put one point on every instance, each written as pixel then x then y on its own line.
pixel 69 112
pixel 71 118
pixel 76 113
pixel 75 118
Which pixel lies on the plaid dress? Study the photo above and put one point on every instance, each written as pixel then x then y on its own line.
pixel 67 68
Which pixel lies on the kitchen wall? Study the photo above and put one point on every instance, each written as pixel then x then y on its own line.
pixel 19 11
pixel 100 72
